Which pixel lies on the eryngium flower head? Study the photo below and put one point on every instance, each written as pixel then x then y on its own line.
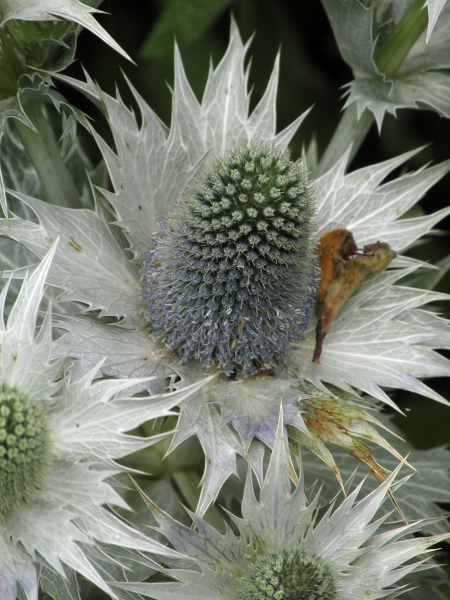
pixel 61 434
pixel 232 277
pixel 285 547
pixel 383 338
pixel 24 447
pixel 289 575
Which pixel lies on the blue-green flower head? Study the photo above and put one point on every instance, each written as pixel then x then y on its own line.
pixel 232 279
pixel 24 448
pixel 286 546
pixel 289 575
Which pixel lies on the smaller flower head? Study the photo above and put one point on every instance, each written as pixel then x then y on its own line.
pixel 232 278
pixel 282 549
pixel 289 575
pixel 60 436
pixel 24 447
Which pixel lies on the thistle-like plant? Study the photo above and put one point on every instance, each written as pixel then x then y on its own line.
pixel 163 203
pixel 212 279
pixel 61 434
pixel 285 546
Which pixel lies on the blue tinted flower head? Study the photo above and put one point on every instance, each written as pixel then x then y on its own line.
pixel 289 575
pixel 232 278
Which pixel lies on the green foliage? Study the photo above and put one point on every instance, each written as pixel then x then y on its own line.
pixel 394 66
pixel 182 21
pixel 45 44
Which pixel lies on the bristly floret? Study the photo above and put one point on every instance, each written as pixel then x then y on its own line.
pixel 232 278
pixel 24 447
pixel 289 575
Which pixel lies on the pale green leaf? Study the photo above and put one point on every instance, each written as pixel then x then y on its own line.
pixel 189 586
pixel 431 52
pixel 84 420
pixel 428 585
pixel 25 359
pixel 361 202
pixel 353 26
pixel 418 497
pixel 270 518
pixel 152 166
pixel 423 89
pixel 418 83
pixel 17 171
pixel 252 406
pixel 16 568
pixel 60 587
pixel 91 343
pixel 387 342
pixel 47 537
pixel 219 443
pixel 45 45
pixel 428 279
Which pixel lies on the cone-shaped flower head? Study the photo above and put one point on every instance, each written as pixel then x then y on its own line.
pixel 232 279
pixel 286 548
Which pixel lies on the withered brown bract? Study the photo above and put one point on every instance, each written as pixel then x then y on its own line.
pixel 343 269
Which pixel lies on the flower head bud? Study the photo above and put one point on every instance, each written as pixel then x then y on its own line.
pixel 289 575
pixel 29 45
pixel 24 448
pixel 232 278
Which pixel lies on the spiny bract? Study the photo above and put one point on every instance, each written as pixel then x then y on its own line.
pixel 232 278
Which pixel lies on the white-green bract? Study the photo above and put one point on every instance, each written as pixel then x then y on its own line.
pixel 282 549
pixel 60 436
pixel 423 74
pixel 47 10
pixel 382 338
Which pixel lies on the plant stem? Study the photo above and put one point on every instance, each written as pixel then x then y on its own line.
pixel 44 153
pixel 390 56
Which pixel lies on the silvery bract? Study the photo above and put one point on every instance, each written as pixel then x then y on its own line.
pixel 47 10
